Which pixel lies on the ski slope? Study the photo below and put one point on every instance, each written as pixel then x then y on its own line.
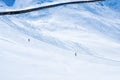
pixel 90 30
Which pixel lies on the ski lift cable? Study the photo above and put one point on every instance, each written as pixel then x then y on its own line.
pixel 45 7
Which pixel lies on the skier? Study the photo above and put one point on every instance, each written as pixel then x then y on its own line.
pixel 28 40
pixel 75 54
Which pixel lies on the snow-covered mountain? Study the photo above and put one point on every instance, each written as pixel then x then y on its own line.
pixel 113 4
pixel 2 4
pixel 70 42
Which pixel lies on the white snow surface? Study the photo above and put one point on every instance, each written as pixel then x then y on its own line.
pixel 89 30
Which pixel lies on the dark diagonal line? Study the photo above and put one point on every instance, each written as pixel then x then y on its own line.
pixel 45 7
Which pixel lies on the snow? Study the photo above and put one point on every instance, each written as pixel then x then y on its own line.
pixel 90 30
pixel 113 4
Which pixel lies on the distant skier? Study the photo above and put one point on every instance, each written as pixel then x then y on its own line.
pixel 28 40
pixel 75 54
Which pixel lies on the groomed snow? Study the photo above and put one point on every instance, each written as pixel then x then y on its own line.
pixel 89 30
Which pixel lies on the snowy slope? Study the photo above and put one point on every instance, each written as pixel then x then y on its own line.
pixel 113 4
pixel 90 30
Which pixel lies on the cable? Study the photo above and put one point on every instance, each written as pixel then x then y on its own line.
pixel 45 7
